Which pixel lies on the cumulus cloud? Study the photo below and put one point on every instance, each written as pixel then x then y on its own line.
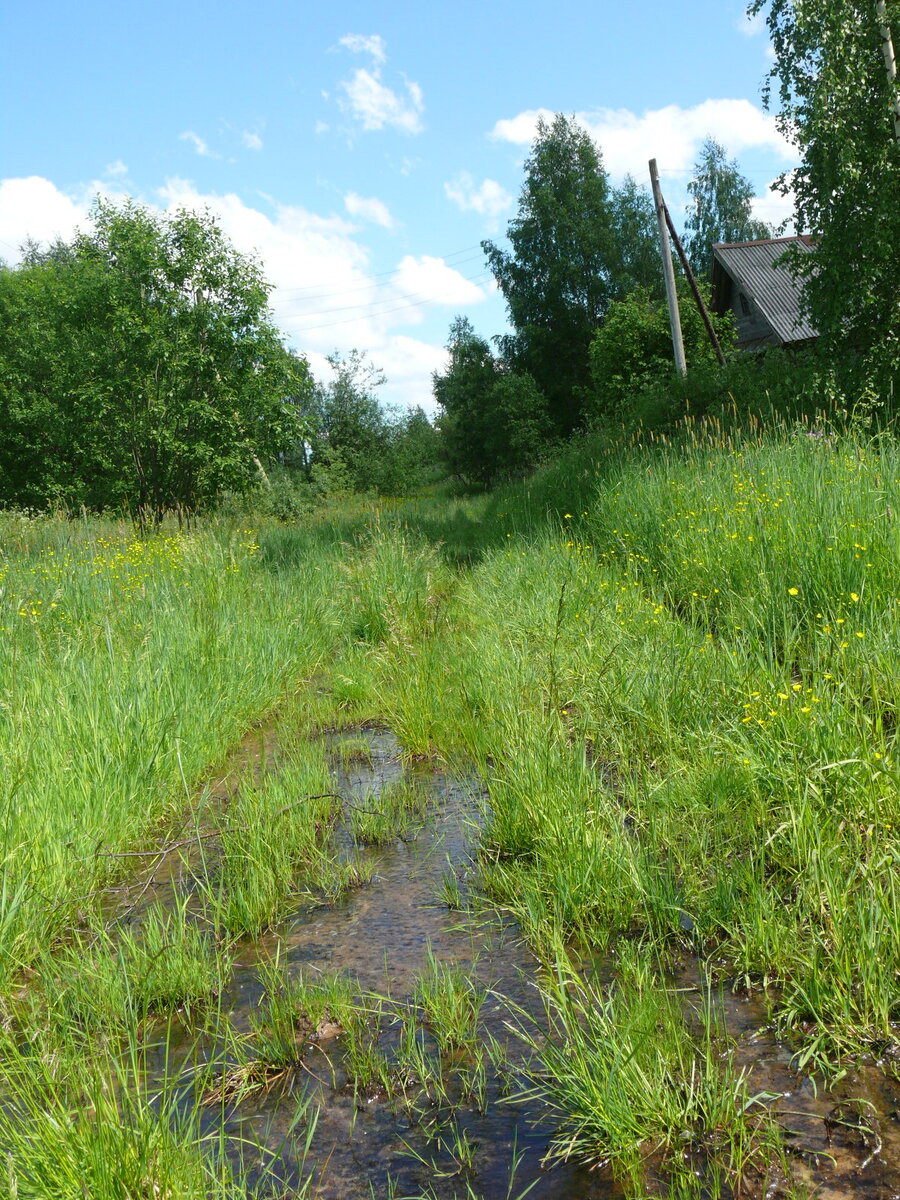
pixel 358 43
pixel 431 281
pixel 374 105
pixel 252 141
pixel 116 170
pixel 368 99
pixel 488 198
pixel 325 295
pixel 200 146
pixel 776 210
pixel 368 208
pixel 35 208
pixel 672 134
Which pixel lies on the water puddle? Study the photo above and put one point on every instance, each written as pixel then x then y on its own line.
pixel 385 1104
pixel 454 1134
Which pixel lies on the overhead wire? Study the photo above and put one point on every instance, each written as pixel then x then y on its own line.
pixel 366 316
pixel 415 297
pixel 327 295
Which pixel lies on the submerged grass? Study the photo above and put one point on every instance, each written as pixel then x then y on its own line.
pixel 113 979
pixel 76 1126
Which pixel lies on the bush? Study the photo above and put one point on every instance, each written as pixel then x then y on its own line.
pixel 633 348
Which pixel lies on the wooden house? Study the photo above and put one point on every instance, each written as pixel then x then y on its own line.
pixel 763 295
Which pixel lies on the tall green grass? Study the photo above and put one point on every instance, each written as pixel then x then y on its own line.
pixel 681 690
pixel 129 668
pixel 673 667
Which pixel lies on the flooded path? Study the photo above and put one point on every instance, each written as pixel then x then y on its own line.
pixel 320 1128
pixel 456 1137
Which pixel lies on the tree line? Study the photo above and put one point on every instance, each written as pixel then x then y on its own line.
pixel 141 369
pixel 582 280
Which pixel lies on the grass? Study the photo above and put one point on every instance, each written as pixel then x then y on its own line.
pixel 381 816
pixel 628 1083
pixel 681 699
pixel 129 668
pixel 88 1126
pixel 273 845
pixel 450 1003
pixel 673 668
pixel 107 980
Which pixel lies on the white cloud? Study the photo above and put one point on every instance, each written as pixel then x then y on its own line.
pixel 368 208
pixel 200 146
pixel 487 198
pixel 672 135
pixel 369 100
pixel 252 141
pixel 115 169
pixel 432 281
pixel 325 296
pixel 409 365
pixel 35 208
pixel 358 43
pixel 774 209
pixel 374 105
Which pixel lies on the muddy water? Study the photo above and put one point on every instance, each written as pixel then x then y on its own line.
pixel 381 936
pixel 842 1143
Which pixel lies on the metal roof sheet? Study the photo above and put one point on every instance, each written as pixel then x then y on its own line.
pixel 752 265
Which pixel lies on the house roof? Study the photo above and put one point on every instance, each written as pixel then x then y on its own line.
pixel 777 295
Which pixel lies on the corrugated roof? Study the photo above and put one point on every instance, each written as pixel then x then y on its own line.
pixel 773 288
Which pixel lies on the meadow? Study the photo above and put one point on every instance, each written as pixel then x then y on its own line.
pixel 672 668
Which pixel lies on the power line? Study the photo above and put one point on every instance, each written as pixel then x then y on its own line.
pixel 366 316
pixel 316 288
pixel 386 300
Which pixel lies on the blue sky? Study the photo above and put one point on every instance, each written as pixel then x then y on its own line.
pixel 363 151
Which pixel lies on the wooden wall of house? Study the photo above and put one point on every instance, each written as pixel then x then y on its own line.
pixel 751 326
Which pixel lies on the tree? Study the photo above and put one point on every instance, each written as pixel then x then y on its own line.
pixel 413 459
pixel 493 419
pixel 636 261
pixel 720 208
pixel 558 277
pixel 142 369
pixel 634 347
pixel 836 105
pixel 351 434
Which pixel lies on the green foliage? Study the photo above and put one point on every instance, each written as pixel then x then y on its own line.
pixel 358 445
pixel 637 263
pixel 414 452
pixel 720 209
pixel 620 1072
pixel 836 106
pixel 633 348
pixel 140 369
pixel 493 420
pixel 557 276
pixel 575 245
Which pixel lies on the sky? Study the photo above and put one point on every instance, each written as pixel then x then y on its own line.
pixel 364 151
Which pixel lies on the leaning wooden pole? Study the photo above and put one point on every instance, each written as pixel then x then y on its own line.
pixel 890 62
pixel 668 271
pixel 698 295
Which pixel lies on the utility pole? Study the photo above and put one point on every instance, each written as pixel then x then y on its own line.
pixel 668 271
pixel 698 295
pixel 890 62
